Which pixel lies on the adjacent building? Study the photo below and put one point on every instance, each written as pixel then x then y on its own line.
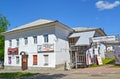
pixel 83 51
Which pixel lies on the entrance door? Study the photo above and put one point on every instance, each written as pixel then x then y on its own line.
pixel 24 62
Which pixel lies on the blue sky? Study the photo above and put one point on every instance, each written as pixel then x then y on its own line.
pixel 103 14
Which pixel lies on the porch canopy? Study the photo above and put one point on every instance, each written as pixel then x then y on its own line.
pixel 83 37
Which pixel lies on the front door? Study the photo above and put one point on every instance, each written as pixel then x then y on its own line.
pixel 24 62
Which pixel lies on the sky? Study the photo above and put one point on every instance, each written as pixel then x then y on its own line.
pixel 103 14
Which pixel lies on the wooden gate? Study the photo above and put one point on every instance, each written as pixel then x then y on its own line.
pixel 24 62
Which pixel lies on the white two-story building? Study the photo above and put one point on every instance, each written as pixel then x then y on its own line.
pixel 39 44
pixel 48 44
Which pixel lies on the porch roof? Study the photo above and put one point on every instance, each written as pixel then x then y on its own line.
pixel 83 37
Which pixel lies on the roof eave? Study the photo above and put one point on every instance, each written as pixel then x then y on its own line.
pixel 5 33
pixel 102 31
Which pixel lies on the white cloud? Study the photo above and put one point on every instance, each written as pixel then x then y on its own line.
pixel 102 5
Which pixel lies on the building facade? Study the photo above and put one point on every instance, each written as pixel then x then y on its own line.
pixel 40 44
pixel 48 44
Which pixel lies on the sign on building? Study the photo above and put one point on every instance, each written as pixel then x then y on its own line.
pixel 45 48
pixel 104 39
pixel 99 60
pixel 117 54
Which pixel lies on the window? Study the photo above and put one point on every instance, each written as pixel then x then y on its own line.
pixel 17 59
pixel 34 59
pixel 26 40
pixel 35 39
pixel 46 59
pixel 9 60
pixel 46 38
pixel 10 43
pixel 17 42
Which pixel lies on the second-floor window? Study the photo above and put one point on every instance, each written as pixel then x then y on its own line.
pixel 10 43
pixel 17 42
pixel 26 40
pixel 35 39
pixel 46 38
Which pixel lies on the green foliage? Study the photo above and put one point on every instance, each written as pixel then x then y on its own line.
pixel 16 75
pixel 3 23
pixel 108 61
pixel 3 27
pixel 105 62
pixel 93 65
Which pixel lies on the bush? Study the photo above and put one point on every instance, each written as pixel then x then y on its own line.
pixel 108 61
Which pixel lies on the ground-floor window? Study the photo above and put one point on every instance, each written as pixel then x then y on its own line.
pixel 46 59
pixel 34 59
pixel 9 60
pixel 17 59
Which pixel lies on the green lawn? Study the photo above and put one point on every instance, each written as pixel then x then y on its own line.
pixel 108 61
pixel 115 66
pixel 16 75
pixel 105 62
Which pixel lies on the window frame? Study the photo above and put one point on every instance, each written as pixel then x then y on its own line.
pixel 17 42
pixel 35 59
pixel 25 40
pixel 35 39
pixel 10 43
pixel 9 60
pixel 46 58
pixel 17 59
pixel 46 38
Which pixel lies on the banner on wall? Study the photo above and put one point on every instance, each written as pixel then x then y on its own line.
pixel 12 51
pixel 117 54
pixel 45 48
pixel 104 39
pixel 99 60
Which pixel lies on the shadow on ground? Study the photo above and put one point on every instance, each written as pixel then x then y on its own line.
pixel 46 76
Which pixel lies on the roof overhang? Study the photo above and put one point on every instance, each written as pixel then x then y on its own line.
pixel 46 25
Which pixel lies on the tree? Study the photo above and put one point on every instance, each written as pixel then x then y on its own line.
pixel 3 27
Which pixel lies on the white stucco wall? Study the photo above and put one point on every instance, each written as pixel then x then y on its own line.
pixel 31 48
pixel 62 46
pixel 57 36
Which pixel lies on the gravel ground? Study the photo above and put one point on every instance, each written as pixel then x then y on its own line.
pixel 103 72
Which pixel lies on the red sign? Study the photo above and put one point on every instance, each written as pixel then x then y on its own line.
pixel 13 51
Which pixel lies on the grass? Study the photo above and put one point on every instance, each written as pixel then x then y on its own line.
pixel 105 62
pixel 108 61
pixel 93 65
pixel 16 75
pixel 115 66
